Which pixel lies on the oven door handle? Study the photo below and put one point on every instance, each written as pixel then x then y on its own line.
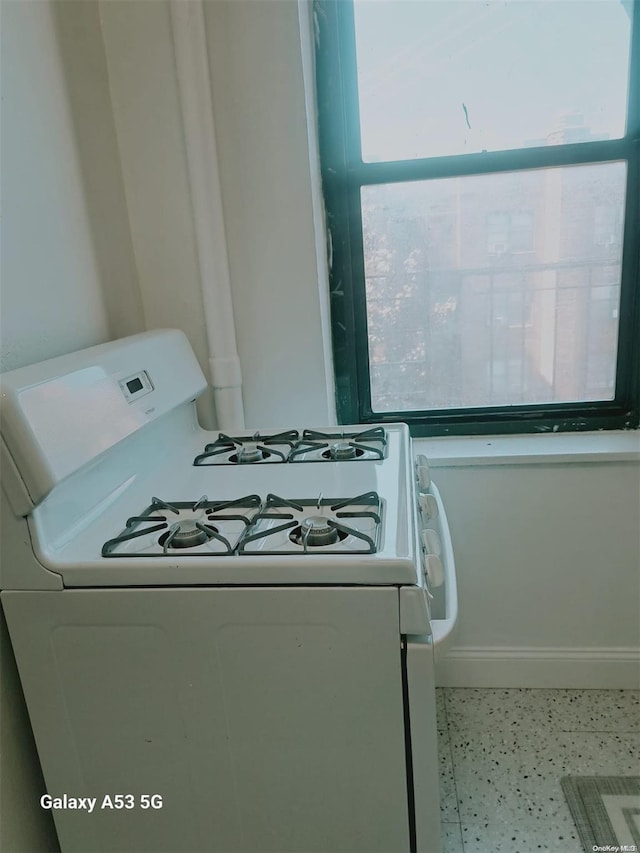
pixel 442 628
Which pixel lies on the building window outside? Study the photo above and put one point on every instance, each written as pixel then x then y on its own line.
pixel 607 225
pixel 509 231
pixel 481 278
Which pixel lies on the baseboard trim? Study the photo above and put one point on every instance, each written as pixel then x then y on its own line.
pixel 528 666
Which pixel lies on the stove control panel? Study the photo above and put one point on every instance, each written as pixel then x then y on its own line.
pixel 136 386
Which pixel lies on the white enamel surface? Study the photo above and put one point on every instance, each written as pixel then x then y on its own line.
pixel 267 719
pixel 60 415
pixel 120 452
pixel 422 721
pixel 70 542
pixel 65 441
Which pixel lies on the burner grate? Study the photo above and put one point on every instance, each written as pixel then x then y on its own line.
pixel 289 446
pixel 183 526
pixel 317 446
pixel 305 527
pixel 253 450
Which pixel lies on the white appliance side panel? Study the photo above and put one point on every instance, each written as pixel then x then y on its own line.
pixel 267 719
pixel 61 414
pixel 424 746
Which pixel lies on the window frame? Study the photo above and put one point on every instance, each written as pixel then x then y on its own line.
pixel 344 173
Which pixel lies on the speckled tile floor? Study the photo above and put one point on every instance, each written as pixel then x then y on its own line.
pixel 503 753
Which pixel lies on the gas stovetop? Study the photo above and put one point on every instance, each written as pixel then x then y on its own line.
pixel 95 435
pixel 312 446
pixel 250 525
pixel 153 512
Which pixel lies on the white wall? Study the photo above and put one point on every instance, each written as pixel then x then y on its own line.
pixel 548 560
pixel 67 276
pixel 267 175
pixel 51 294
pixel 81 50
pixel 146 111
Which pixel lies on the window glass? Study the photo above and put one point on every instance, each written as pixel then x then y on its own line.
pixel 491 290
pixel 445 77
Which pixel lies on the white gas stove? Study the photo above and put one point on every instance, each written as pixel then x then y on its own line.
pixel 239 624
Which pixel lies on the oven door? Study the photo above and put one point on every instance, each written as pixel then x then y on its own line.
pixel 423 762
pixel 266 719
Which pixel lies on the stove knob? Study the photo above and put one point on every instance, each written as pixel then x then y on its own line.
pixel 424 478
pixel 431 541
pixel 433 570
pixel 428 506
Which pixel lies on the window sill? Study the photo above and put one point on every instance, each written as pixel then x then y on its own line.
pixel 565 448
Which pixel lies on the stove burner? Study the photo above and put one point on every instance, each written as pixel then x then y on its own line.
pixel 284 526
pixel 186 534
pixel 247 454
pixel 342 450
pixel 342 446
pixel 247 450
pixel 184 525
pixel 316 531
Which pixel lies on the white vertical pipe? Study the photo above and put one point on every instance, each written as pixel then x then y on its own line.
pixel 187 23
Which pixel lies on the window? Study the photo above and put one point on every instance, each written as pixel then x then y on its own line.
pixel 509 231
pixel 481 173
pixel 607 229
